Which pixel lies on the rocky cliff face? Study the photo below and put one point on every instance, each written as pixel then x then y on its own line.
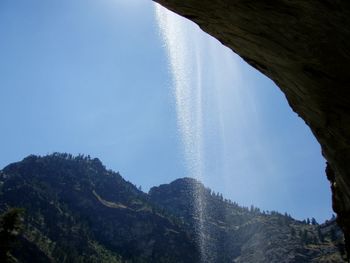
pixel 304 47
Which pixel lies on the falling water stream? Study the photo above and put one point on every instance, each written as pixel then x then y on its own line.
pixel 196 89
pixel 186 71
pixel 223 125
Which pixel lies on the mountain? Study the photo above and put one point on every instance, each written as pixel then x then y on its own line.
pixel 78 211
pixel 231 233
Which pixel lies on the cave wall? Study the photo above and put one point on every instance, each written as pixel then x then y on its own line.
pixel 304 47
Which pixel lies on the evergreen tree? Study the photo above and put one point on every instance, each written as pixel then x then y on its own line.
pixel 320 235
pixel 313 221
pixel 293 233
pixel 333 234
pixel 305 237
pixel 10 227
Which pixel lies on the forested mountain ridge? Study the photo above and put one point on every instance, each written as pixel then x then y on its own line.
pixel 78 211
pixel 232 233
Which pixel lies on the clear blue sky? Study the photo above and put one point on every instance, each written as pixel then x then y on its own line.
pixel 93 77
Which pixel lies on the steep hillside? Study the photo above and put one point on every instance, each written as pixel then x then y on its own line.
pixel 230 232
pixel 77 211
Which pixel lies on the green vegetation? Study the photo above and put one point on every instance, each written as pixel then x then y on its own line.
pixel 247 234
pixel 77 211
pixel 10 227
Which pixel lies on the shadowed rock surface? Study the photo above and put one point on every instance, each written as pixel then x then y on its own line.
pixel 304 47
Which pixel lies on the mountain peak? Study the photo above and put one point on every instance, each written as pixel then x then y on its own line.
pixel 91 214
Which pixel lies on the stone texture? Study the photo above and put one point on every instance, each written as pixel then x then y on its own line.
pixel 304 47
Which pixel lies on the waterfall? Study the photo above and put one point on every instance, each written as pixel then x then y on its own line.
pixel 232 131
pixel 208 99
pixel 186 72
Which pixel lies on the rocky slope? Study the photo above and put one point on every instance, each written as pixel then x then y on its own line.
pixel 230 233
pixel 77 211
pixel 304 47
